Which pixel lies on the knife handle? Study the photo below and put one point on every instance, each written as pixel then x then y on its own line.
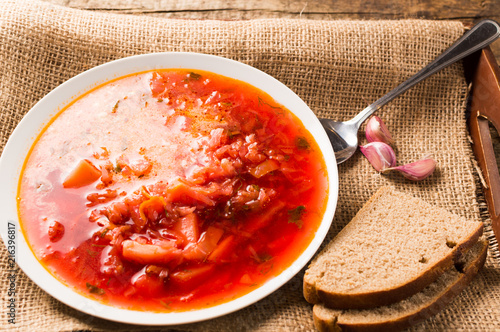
pixel 484 109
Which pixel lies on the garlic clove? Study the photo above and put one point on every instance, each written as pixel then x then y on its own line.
pixel 376 131
pixel 380 155
pixel 417 170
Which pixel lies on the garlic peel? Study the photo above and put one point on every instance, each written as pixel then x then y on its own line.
pixel 417 170
pixel 376 131
pixel 380 155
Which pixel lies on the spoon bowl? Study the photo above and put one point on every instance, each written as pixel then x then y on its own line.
pixel 344 135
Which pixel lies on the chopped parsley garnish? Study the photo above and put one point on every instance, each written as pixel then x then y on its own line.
pixel 115 107
pixel 264 257
pixel 232 133
pixel 94 289
pixel 295 215
pixel 302 143
pixel 165 304
pixel 262 102
pixel 266 268
pixel 104 232
pixel 193 76
pixel 92 253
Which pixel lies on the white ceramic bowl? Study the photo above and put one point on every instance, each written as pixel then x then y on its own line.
pixel 32 124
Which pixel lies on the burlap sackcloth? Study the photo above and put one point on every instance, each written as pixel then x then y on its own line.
pixel 337 67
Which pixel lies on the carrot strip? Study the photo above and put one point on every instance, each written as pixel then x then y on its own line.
pixel 188 226
pixel 222 250
pixel 154 203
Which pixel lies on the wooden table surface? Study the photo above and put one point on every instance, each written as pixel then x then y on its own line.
pixel 467 11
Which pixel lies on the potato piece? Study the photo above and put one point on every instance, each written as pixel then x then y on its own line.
pixel 83 174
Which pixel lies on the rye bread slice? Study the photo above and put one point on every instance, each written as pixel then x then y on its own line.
pixel 394 247
pixel 410 311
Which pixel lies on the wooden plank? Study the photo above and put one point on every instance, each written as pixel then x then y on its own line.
pixel 445 9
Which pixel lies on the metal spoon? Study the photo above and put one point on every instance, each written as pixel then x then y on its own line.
pixel 344 135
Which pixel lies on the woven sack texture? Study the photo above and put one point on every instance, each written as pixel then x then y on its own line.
pixel 336 67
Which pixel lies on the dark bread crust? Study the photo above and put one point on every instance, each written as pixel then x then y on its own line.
pixel 389 296
pixel 405 320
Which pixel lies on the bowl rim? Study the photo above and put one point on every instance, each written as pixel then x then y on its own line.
pixel 28 129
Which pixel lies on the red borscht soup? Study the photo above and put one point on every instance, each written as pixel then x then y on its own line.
pixel 171 190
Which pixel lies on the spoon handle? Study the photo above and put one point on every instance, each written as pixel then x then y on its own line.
pixel 481 35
